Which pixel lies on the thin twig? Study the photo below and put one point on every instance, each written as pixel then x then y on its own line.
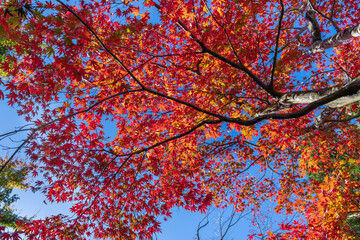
pixel 276 45
pixel 227 35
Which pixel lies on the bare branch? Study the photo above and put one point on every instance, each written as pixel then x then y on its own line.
pixel 16 151
pixel 62 118
pixel 202 226
pixel 344 119
pixel 277 45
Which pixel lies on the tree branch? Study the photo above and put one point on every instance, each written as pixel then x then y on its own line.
pixel 227 36
pixel 328 18
pixel 313 26
pixel 61 118
pixel 277 45
pixel 323 116
pixel 343 94
pixel 17 150
pixel 239 66
pixel 264 86
pixel 318 45
pixel 172 138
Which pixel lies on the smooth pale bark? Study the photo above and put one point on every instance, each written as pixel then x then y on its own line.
pixel 319 45
pixel 336 40
pixel 288 100
pixel 311 96
pixel 313 26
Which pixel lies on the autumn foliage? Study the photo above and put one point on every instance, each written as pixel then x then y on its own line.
pixel 136 107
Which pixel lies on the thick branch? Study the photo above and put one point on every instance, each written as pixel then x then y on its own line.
pixel 323 116
pixel 313 26
pixel 318 45
pixel 314 95
pixel 335 40
pixel 332 97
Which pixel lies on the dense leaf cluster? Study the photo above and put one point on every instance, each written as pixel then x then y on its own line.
pixel 135 108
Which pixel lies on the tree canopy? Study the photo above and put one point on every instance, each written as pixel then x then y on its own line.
pixel 137 107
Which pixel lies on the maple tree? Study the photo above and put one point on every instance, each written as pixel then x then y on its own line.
pixel 225 102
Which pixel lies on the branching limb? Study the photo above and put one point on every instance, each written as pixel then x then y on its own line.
pixel 83 210
pixel 296 37
pixel 17 150
pixel 147 89
pixel 8 134
pixel 239 66
pixel 197 126
pixel 328 18
pixel 336 97
pixel 231 222
pixel 319 45
pixel 346 91
pixel 322 117
pixel 59 119
pixel 277 45
pixel 343 119
pixel 313 26
pixel 264 86
pixel 227 35
pixel 202 225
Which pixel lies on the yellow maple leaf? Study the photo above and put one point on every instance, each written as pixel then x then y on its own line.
pixel 136 12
